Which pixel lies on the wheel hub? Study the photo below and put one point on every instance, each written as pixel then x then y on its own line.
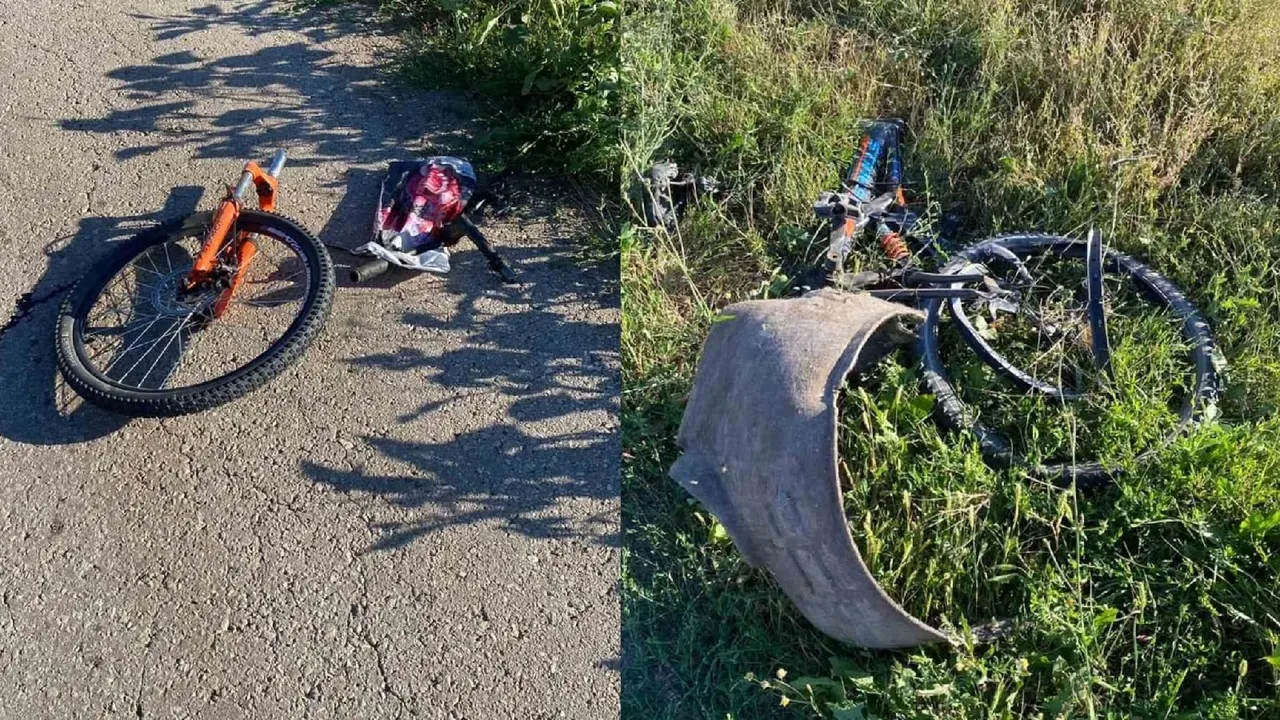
pixel 170 299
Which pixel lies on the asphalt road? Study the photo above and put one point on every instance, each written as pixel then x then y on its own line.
pixel 418 520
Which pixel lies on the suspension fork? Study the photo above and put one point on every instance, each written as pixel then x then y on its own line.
pixel 893 161
pixel 243 249
pixel 861 180
pixel 882 141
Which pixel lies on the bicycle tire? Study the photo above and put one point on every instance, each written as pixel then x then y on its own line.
pixel 94 387
pixel 995 447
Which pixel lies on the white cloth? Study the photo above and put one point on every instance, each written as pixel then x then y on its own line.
pixel 436 261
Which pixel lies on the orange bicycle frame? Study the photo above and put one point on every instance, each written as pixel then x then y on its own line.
pixel 219 244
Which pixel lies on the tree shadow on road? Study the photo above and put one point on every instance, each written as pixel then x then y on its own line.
pixel 38 407
pixel 294 94
pixel 554 451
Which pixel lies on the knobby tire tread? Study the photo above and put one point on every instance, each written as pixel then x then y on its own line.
pixel 219 391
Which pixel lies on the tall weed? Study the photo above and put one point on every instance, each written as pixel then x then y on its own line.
pixel 546 71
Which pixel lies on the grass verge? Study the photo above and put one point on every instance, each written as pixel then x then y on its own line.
pixel 1158 121
pixel 545 73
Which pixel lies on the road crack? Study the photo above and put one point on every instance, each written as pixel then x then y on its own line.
pixel 8 610
pixel 382 671
pixel 362 631
pixel 137 698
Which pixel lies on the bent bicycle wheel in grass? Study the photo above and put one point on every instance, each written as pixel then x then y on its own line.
pixel 1022 375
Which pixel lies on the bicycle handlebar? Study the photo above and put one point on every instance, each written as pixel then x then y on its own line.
pixel 371 269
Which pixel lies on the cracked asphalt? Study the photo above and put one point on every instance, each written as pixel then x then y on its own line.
pixel 420 519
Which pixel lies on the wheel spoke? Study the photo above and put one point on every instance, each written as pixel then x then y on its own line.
pixel 168 261
pixel 131 347
pixel 176 334
pixel 176 363
pixel 147 351
pixel 153 269
pixel 140 331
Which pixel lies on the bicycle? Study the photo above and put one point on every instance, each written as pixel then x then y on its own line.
pixel 199 311
pixel 1055 297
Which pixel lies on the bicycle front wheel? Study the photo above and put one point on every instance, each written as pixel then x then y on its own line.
pixel 132 340
pixel 1022 374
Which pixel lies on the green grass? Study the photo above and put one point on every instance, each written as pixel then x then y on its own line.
pixel 544 74
pixel 1156 120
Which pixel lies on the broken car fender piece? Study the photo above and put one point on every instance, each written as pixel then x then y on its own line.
pixel 759 442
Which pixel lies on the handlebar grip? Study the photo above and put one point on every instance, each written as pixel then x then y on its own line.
pixel 277 163
pixel 371 269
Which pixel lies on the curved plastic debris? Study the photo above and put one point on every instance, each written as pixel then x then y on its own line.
pixel 759 441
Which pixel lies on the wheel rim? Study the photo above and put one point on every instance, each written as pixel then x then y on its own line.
pixel 975 334
pixel 139 332
pixel 1197 387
